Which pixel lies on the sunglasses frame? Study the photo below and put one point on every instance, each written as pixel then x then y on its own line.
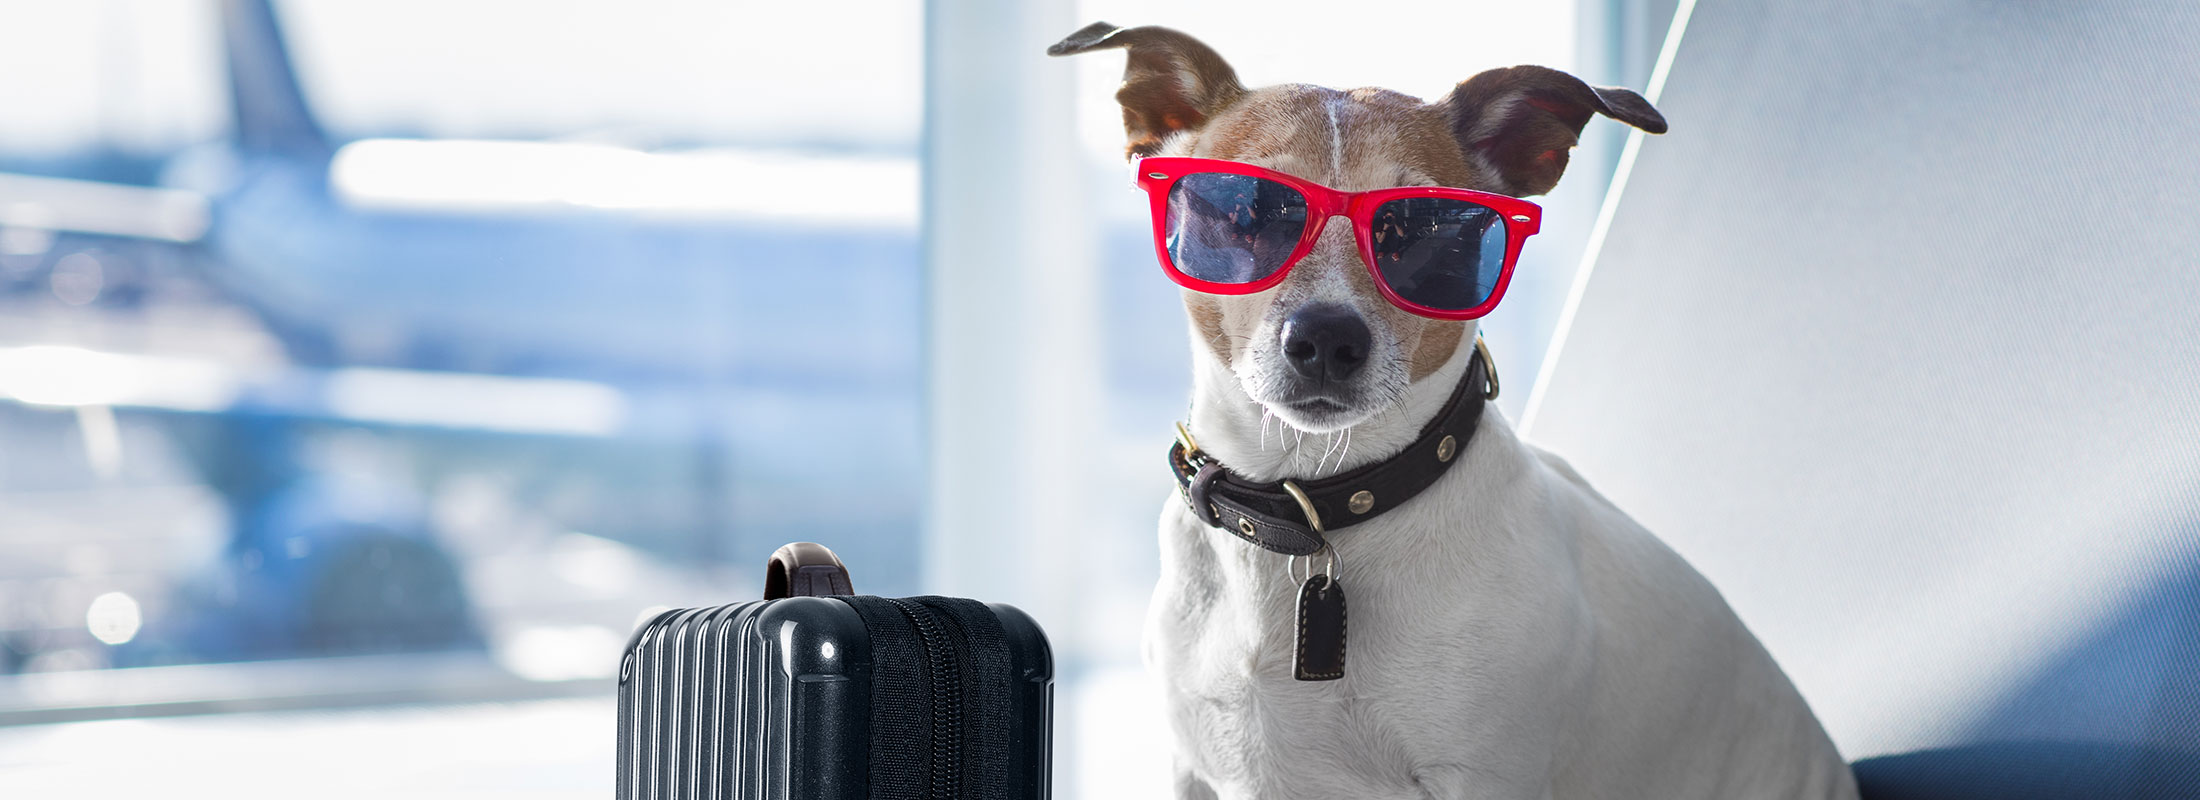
pixel 1157 175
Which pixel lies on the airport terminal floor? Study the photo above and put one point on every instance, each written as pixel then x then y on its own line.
pixel 538 750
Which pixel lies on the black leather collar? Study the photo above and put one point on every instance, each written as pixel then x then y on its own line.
pixel 1289 517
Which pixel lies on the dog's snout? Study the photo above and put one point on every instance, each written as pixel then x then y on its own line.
pixel 1326 342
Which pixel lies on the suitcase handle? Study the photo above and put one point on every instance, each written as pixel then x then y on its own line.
pixel 805 569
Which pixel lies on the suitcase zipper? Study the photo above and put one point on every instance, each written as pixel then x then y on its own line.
pixel 945 672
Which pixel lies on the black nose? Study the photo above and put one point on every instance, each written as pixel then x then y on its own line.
pixel 1325 342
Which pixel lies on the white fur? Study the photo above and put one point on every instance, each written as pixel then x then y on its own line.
pixel 1511 635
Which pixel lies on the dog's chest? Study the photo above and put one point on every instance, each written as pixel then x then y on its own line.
pixel 1224 639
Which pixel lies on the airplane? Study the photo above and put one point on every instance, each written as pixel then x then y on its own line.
pixel 693 354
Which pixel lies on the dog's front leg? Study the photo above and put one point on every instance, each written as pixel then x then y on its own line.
pixel 1463 783
pixel 1189 786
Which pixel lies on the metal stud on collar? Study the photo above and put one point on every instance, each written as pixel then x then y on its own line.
pixel 1361 502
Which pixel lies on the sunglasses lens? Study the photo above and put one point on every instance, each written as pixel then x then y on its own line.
pixel 1439 252
pixel 1224 228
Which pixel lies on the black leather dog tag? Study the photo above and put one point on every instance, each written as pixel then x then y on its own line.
pixel 1320 652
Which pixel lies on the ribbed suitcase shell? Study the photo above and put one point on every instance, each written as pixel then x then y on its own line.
pixel 771 700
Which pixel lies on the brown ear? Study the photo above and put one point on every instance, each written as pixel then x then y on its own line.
pixel 1171 83
pixel 1518 123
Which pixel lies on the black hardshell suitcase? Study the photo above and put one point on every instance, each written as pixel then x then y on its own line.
pixel 815 693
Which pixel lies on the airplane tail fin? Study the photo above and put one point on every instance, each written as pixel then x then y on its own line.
pixel 268 109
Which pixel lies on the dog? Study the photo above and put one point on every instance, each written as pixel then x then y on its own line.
pixel 1512 634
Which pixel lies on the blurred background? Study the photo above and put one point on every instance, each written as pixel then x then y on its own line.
pixel 368 369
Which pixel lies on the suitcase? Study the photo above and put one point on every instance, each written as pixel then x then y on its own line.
pixel 817 693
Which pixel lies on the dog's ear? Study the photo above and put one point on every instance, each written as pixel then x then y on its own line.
pixel 1172 82
pixel 1518 123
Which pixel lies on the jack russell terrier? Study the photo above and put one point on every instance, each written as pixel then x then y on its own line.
pixel 1512 633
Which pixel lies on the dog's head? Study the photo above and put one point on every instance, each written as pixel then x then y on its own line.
pixel 1323 350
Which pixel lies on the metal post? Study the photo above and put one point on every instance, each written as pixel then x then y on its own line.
pixel 1012 301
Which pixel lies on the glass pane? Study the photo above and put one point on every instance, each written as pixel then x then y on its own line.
pixel 1232 228
pixel 1439 252
pixel 286 418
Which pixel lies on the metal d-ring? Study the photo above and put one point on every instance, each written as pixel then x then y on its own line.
pixel 1330 564
pixel 1306 505
pixel 1489 365
pixel 1313 520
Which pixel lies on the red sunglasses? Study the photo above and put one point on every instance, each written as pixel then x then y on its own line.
pixel 1228 228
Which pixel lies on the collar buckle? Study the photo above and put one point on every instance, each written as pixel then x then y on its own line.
pixel 1192 454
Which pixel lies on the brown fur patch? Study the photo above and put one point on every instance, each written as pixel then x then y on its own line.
pixel 1206 314
pixel 1439 339
pixel 1391 139
pixel 1287 128
pixel 1522 121
pixel 1171 82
